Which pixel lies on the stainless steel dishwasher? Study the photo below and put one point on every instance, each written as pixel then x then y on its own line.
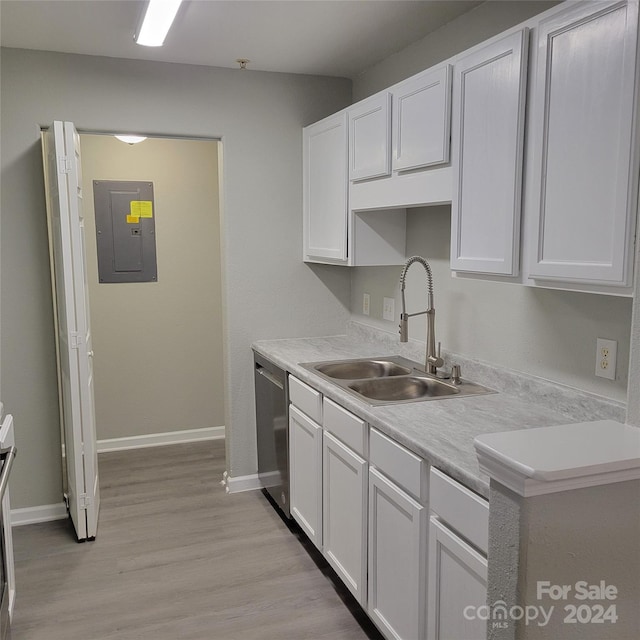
pixel 272 430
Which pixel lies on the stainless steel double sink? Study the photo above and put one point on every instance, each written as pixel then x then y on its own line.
pixel 391 380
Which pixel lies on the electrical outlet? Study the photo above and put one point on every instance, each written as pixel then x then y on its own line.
pixel 366 304
pixel 606 351
pixel 388 309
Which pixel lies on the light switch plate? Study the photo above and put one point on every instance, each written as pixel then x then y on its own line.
pixel 606 352
pixel 388 309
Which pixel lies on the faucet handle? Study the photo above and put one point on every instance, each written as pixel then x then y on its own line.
pixel 437 360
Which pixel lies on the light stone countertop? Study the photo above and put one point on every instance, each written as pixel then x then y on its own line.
pixel 442 431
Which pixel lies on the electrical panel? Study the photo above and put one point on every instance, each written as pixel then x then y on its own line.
pixel 125 231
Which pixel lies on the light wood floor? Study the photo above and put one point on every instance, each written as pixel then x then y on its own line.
pixel 177 559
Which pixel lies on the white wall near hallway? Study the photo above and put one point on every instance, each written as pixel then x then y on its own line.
pixel 158 360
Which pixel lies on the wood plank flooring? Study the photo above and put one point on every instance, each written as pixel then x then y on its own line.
pixel 176 558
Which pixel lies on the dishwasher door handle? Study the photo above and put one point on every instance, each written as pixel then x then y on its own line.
pixel 269 376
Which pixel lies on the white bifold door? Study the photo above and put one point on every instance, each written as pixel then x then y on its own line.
pixel 63 180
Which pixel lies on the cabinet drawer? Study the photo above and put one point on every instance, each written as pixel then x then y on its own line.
pixel 305 398
pixel 462 510
pixel 403 467
pixel 345 426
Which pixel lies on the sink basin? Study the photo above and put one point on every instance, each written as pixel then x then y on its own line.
pixel 358 369
pixel 386 380
pixel 401 389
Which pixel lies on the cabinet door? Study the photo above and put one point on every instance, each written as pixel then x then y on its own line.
pixel 370 138
pixel 344 515
pixel 585 177
pixel 488 129
pixel 421 120
pixel 397 562
pixel 457 587
pixel 305 474
pixel 325 190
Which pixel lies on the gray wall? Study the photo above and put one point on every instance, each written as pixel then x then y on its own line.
pixel 471 28
pixel 268 291
pixel 545 333
pixel 158 363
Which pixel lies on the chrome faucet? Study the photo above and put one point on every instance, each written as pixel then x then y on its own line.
pixel 433 360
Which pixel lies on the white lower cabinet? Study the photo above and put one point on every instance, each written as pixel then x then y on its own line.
pixel 364 500
pixel 457 586
pixel 344 484
pixel 397 562
pixel 458 540
pixel 305 473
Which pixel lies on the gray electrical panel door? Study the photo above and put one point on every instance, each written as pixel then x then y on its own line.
pixel 125 231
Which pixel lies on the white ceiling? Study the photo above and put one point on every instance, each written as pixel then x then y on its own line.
pixel 320 37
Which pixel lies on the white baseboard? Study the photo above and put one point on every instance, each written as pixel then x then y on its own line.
pixel 240 483
pixel 42 513
pixel 160 439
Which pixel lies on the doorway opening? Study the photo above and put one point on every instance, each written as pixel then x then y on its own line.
pixel 157 349
pixel 158 345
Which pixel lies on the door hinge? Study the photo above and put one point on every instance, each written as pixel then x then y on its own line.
pixel 84 501
pixel 75 340
pixel 64 164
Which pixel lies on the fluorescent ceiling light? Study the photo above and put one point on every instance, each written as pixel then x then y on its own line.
pixel 131 139
pixel 156 23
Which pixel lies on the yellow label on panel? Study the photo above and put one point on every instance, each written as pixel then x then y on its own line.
pixel 133 219
pixel 141 208
pixel 146 209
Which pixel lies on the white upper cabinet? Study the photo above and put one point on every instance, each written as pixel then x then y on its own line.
pixel 332 234
pixel 414 118
pixel 325 190
pixel 418 130
pixel 370 138
pixel 421 120
pixel 545 157
pixel 489 94
pixel 584 185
